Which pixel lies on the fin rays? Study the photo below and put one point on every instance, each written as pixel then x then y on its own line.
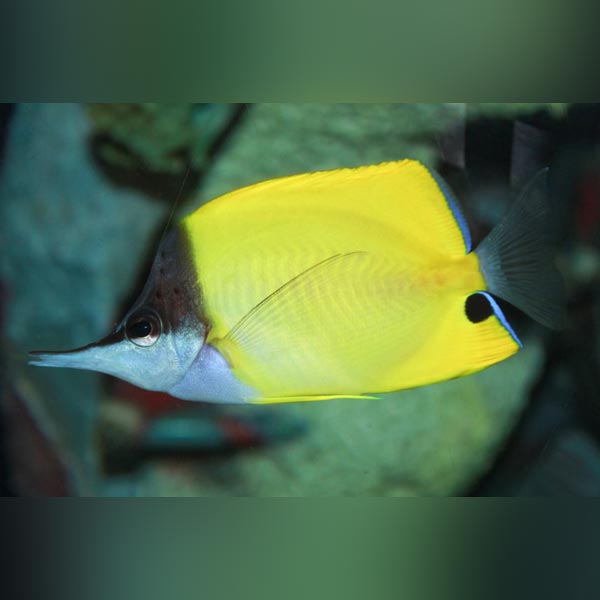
pixel 340 325
pixel 517 257
pixel 248 322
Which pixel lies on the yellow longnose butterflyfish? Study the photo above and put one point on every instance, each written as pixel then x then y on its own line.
pixel 343 283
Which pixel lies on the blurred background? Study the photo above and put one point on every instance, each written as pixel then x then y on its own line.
pixel 86 192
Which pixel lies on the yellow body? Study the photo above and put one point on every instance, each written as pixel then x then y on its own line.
pixel 341 283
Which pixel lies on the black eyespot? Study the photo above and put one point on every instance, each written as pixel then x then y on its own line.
pixel 143 328
pixel 478 308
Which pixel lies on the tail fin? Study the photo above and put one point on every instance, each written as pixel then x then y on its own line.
pixel 517 257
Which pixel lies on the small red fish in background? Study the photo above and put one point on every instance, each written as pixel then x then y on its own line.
pixel 151 404
pixel 154 405
pixel 169 424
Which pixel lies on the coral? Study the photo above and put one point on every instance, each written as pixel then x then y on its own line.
pixel 157 137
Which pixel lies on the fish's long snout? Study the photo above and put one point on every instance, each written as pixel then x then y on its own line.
pixel 84 357
pixel 78 358
pixel 43 358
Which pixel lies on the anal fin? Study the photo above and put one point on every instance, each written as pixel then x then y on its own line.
pixel 289 399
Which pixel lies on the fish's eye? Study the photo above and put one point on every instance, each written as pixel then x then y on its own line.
pixel 143 329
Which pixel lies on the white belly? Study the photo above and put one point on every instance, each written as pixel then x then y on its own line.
pixel 210 379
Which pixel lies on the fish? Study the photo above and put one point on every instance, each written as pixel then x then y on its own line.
pixel 347 283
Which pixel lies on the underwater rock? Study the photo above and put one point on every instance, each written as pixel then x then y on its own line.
pixel 281 139
pixel 72 245
pixel 433 440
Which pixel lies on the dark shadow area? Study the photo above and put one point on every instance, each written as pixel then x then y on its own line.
pixel 162 186
pixel 6 111
pixel 555 447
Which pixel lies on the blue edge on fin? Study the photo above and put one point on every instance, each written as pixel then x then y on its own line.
pixel 500 315
pixel 455 208
pixel 464 228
